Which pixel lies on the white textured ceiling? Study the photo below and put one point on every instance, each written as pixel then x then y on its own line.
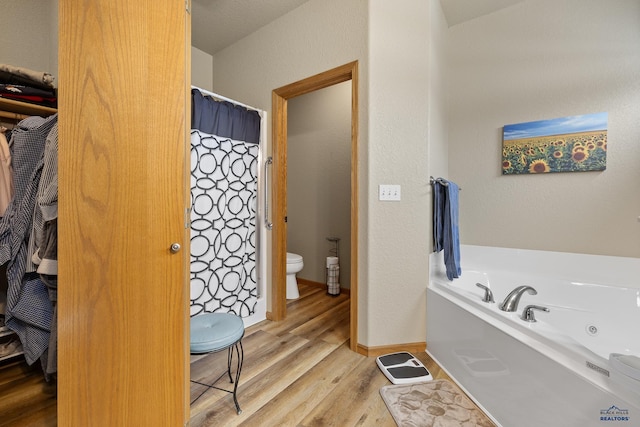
pixel 216 24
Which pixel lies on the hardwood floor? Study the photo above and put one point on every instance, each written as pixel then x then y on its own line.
pixel 25 398
pixel 298 372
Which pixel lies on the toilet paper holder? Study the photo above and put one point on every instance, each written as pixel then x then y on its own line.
pixel 336 241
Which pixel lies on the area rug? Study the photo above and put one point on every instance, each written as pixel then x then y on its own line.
pixel 437 403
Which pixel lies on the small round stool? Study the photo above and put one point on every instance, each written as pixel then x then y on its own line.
pixel 213 332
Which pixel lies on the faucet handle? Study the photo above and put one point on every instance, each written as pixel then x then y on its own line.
pixel 527 313
pixel 488 295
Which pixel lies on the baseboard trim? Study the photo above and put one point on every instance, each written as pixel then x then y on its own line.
pixel 415 347
pixel 345 291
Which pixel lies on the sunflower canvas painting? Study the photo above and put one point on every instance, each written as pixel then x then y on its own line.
pixel 568 144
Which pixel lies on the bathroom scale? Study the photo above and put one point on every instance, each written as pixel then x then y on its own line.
pixel 403 368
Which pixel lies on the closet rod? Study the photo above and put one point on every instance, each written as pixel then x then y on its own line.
pixel 224 98
pixel 13 116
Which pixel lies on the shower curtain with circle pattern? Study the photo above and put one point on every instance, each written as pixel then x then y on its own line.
pixel 224 164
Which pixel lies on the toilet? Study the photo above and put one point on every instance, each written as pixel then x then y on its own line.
pixel 294 265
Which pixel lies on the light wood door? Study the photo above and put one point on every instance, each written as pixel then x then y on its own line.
pixel 123 295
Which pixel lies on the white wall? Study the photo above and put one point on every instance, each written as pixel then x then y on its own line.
pixel 319 179
pixel 398 232
pixel 535 60
pixel 53 40
pixel 29 34
pixel 201 69
pixel 438 148
pixel 390 40
pixel 315 37
pixel 539 60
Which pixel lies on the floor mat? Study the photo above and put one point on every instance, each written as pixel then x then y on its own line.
pixel 435 403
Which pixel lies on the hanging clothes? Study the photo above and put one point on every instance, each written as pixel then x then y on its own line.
pixel 6 194
pixel 45 241
pixel 6 173
pixel 29 310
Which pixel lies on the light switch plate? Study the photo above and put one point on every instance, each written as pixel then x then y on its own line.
pixel 388 192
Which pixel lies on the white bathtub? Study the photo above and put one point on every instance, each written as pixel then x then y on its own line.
pixel 556 371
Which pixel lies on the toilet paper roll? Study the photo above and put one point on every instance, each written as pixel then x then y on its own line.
pixel 332 260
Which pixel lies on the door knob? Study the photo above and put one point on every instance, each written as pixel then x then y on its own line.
pixel 175 248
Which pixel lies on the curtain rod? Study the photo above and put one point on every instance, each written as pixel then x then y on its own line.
pixel 224 98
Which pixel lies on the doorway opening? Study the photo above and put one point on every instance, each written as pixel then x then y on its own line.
pixel 280 96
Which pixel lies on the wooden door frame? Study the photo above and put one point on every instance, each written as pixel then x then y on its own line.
pixel 280 96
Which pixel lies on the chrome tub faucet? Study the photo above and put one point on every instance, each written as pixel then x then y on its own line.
pixel 510 303
pixel 527 313
pixel 488 295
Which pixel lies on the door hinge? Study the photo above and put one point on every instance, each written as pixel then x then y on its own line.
pixel 187 218
pixel 187 6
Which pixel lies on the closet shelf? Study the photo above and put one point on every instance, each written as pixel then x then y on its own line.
pixel 12 355
pixel 4 331
pixel 18 109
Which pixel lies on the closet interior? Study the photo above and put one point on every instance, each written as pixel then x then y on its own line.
pixel 27 118
pixel 12 114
